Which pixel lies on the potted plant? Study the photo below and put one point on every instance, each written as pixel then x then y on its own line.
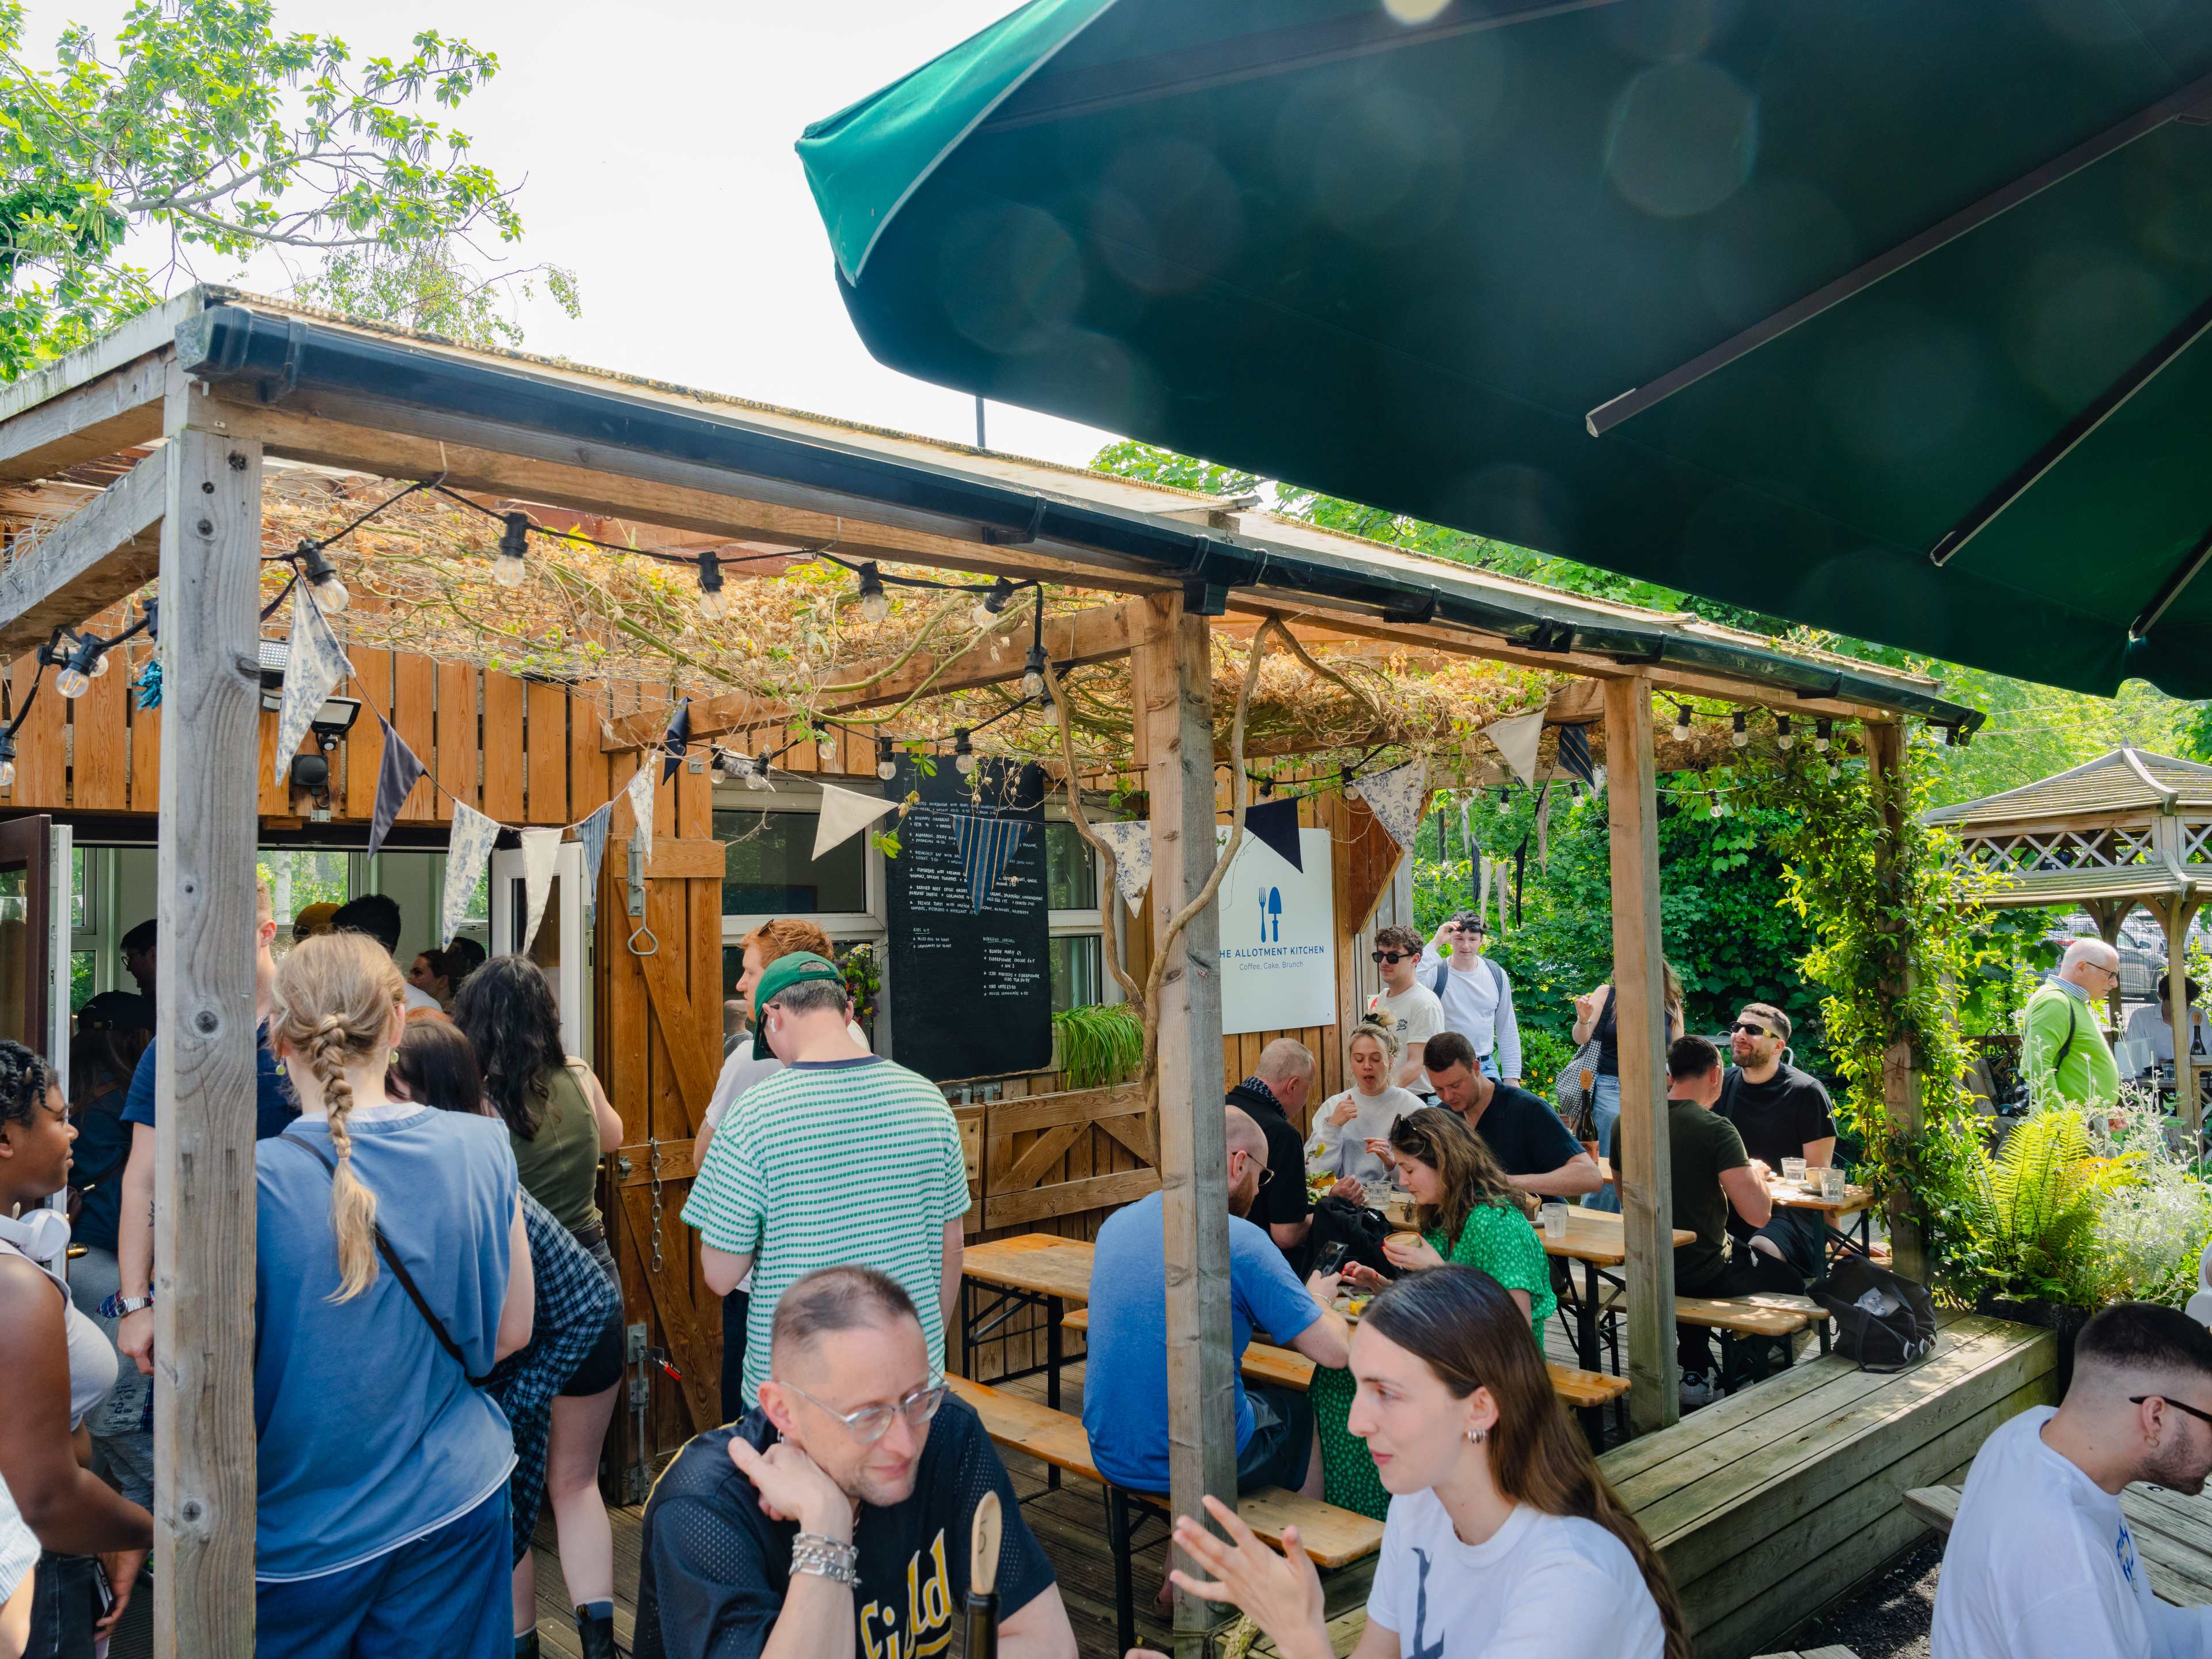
pixel 1097 1044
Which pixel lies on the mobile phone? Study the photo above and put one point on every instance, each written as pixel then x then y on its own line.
pixel 1332 1258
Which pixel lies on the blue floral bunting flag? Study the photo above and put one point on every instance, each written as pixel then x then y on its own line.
pixel 467 854
pixel 1131 844
pixel 313 668
pixel 1394 797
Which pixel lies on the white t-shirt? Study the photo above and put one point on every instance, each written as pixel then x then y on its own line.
pixel 1343 1151
pixel 2148 1025
pixel 1541 1587
pixel 1416 1015
pixel 2041 1566
pixel 416 996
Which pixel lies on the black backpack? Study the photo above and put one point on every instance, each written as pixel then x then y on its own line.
pixel 1900 1331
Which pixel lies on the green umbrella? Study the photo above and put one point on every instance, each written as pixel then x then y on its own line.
pixel 1879 315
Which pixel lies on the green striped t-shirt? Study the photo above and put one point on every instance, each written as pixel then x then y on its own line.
pixel 832 1163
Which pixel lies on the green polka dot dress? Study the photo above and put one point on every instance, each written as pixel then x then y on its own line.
pixel 1501 1242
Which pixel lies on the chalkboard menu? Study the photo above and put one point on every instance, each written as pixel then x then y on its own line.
pixel 970 989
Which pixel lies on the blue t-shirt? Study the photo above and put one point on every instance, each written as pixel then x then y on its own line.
pixel 370 1435
pixel 103 1147
pixel 1128 1337
pixel 273 1105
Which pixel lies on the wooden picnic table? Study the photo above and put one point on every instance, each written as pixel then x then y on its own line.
pixel 1856 1201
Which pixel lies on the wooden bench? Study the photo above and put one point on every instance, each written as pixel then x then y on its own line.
pixel 1750 1327
pixel 1282 1368
pixel 2172 1535
pixel 1815 1653
pixel 1333 1539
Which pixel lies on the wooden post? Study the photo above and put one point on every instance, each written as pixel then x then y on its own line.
pixel 204 1209
pixel 2177 911
pixel 2108 914
pixel 1901 1075
pixel 1172 675
pixel 1643 1161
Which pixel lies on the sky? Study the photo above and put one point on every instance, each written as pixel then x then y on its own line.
pixel 652 141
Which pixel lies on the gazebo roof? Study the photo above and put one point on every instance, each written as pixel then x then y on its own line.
pixel 2126 780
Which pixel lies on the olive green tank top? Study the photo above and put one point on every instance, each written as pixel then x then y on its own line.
pixel 560 1164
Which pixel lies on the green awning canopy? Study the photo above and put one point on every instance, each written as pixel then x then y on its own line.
pixel 1908 295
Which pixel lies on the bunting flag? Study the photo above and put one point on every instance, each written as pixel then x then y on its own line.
pixel 593 833
pixel 845 813
pixel 1575 753
pixel 987 845
pixel 1395 798
pixel 396 778
pixel 639 791
pixel 1481 886
pixel 467 854
pixel 675 740
pixel 540 848
pixel 313 668
pixel 1515 739
pixel 1275 823
pixel 1131 842
pixel 1544 827
pixel 1520 870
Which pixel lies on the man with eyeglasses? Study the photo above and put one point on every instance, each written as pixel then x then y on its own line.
pixel 1125 1406
pixel 2065 1053
pixel 2041 1563
pixel 834 1519
pixel 1780 1112
pixel 1409 1006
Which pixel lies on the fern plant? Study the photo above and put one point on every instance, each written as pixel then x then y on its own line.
pixel 1098 1044
pixel 2032 1211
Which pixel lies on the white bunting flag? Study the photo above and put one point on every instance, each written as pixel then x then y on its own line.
pixel 1515 739
pixel 467 854
pixel 1394 797
pixel 640 806
pixel 313 665
pixel 845 813
pixel 1131 842
pixel 540 848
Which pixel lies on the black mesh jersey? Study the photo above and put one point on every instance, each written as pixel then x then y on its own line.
pixel 715 1569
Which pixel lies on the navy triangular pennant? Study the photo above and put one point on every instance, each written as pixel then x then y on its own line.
pixel 396 778
pixel 1276 824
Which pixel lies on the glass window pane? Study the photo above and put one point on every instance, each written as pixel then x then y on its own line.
pixel 301 878
pixel 81 971
pixel 769 867
pixel 1071 873
pixel 1076 970
pixel 77 886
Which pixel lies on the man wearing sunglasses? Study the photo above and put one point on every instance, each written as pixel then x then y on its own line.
pixel 2041 1563
pixel 1780 1112
pixel 1410 1007
pixel 834 1519
pixel 2065 1053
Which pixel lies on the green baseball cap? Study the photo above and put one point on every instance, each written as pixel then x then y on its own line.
pixel 779 976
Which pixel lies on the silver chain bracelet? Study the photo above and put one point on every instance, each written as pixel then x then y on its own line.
pixel 826 1557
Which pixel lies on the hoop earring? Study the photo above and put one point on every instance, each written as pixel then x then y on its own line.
pixel 1476 1436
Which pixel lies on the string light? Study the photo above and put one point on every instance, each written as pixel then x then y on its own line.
pixel 886 760
pixel 875 603
pixel 825 743
pixel 508 569
pixel 1681 722
pixel 986 610
pixel 757 778
pixel 75 678
pixel 1822 730
pixel 1033 686
pixel 7 760
pixel 1782 733
pixel 1048 710
pixel 322 579
pixel 713 604
pixel 1738 736
pixel 963 753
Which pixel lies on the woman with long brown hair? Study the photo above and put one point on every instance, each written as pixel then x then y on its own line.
pixel 393 1271
pixel 1468 1212
pixel 1503 1540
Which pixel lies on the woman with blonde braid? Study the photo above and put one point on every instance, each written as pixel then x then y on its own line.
pixel 392 1273
pixel 1503 1540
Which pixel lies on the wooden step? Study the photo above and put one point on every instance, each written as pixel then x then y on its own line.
pixel 1330 1536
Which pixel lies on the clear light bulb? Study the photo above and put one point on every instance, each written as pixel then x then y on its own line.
pixel 981 614
pixel 1033 685
pixel 1050 715
pixel 1834 771
pixel 826 747
pixel 332 595
pixel 99 666
pixel 1715 809
pixel 875 604
pixel 7 775
pixel 72 682
pixel 714 606
pixel 756 774
pixel 963 762
pixel 510 570
pixel 1681 730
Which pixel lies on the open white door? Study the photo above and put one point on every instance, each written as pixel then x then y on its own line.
pixel 61 919
pixel 561 947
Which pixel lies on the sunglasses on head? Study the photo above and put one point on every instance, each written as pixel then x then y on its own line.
pixel 1390 956
pixel 1751 1028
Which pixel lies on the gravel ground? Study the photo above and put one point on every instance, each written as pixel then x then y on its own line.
pixel 1888 1617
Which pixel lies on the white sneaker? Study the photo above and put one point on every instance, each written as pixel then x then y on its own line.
pixel 1696 1391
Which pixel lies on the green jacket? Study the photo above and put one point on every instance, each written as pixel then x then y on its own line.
pixel 2065 1053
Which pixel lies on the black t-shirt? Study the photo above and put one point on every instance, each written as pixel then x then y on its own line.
pixel 1524 1134
pixel 1702 1145
pixel 1282 1199
pixel 1776 1118
pixel 715 1569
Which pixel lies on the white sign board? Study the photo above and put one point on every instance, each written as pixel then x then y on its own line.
pixel 1278 938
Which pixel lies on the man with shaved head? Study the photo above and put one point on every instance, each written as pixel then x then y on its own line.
pixel 1125 1406
pixel 2066 1055
pixel 2041 1562
pixel 1275 1096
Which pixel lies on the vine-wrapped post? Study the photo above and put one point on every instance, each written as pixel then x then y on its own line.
pixel 1901 1077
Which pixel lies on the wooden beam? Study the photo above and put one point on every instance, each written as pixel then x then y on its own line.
pixel 1173 687
pixel 149 331
pixel 204 1210
pixel 1086 636
pixel 118 409
pixel 104 552
pixel 1643 1161
pixel 1901 1082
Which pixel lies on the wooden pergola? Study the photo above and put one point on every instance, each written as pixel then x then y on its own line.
pixel 216 382
pixel 2129 828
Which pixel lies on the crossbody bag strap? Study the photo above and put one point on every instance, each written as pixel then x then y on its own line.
pixel 2073 1021
pixel 390 1258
